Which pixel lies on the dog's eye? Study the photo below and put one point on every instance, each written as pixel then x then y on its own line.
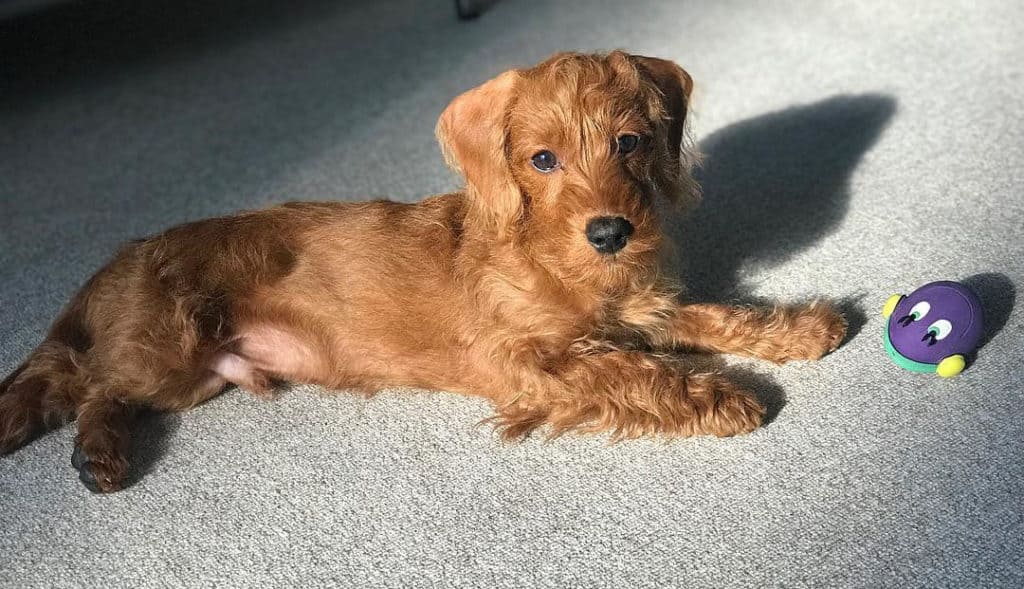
pixel 627 143
pixel 544 161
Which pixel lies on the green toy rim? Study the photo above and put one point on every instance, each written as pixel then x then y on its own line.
pixel 902 361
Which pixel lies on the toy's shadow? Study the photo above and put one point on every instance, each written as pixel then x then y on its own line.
pixel 997 295
pixel 773 185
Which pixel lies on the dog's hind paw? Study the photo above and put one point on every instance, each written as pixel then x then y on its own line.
pixel 100 475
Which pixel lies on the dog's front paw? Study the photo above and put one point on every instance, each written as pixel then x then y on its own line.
pixel 811 331
pixel 736 412
pixel 719 407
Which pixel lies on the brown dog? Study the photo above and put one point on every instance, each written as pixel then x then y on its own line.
pixel 537 286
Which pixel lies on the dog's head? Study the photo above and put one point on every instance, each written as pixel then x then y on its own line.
pixel 568 159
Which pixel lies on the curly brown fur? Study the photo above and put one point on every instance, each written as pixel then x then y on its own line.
pixel 495 290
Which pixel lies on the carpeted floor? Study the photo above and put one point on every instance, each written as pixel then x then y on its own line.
pixel 855 149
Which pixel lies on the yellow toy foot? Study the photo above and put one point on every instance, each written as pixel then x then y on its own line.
pixel 951 366
pixel 890 305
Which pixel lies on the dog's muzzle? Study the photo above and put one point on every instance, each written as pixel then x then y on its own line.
pixel 609 234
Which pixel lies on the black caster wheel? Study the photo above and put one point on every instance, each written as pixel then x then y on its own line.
pixel 468 9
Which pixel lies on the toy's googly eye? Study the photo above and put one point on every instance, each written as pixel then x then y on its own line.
pixel 919 310
pixel 940 329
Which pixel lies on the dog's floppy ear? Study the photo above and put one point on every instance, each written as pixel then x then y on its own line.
pixel 472 134
pixel 674 85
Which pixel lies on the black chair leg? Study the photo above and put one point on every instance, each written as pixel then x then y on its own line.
pixel 468 9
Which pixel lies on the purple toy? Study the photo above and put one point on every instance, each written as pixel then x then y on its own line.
pixel 934 328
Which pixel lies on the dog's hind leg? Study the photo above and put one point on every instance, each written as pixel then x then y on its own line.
pixel 38 395
pixel 102 443
pixel 21 411
pixel 5 385
pixel 106 416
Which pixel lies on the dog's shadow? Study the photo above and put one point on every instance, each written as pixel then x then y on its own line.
pixel 773 185
pixel 151 434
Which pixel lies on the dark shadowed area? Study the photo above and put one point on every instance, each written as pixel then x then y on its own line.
pixel 853 150
pixel 775 185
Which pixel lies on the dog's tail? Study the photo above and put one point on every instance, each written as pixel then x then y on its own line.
pixel 42 393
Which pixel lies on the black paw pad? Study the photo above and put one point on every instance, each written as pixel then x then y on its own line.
pixel 88 478
pixel 78 458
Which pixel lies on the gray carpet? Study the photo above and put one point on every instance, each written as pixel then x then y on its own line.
pixel 854 150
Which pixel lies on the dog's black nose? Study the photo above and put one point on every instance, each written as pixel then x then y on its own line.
pixel 609 234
